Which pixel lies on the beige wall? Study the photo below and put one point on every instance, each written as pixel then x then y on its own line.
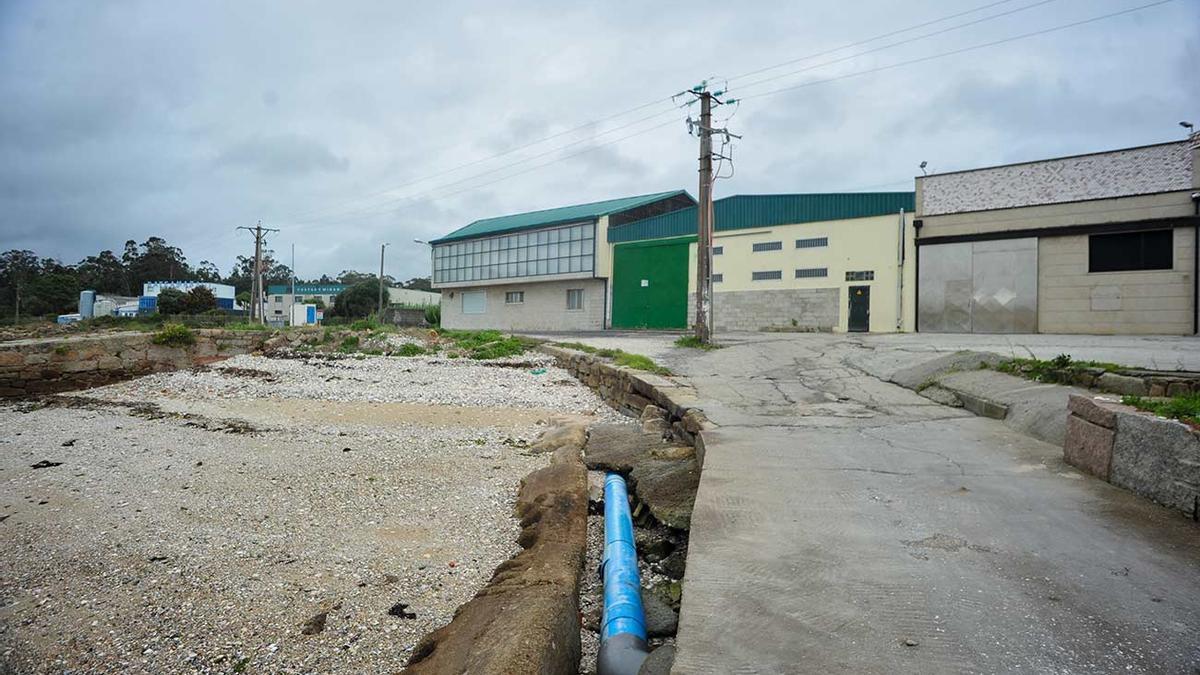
pixel 1071 300
pixel 854 245
pixel 544 307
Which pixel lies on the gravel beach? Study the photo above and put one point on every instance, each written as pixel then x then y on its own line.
pixel 298 515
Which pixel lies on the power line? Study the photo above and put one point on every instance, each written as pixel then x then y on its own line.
pixel 622 113
pixel 489 158
pixel 870 40
pixel 961 50
pixel 896 44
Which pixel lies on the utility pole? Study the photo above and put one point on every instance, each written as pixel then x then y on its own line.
pixel 382 248
pixel 704 210
pixel 256 289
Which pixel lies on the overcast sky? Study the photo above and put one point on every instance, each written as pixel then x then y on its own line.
pixel 124 120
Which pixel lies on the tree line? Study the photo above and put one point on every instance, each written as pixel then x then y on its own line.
pixel 43 286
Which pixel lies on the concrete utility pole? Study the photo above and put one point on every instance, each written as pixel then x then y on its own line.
pixel 382 248
pixel 256 289
pixel 704 224
pixel 704 210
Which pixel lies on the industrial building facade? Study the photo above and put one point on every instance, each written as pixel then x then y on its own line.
pixel 1103 243
pixel 829 262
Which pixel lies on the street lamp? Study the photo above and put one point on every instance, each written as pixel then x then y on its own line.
pixel 381 250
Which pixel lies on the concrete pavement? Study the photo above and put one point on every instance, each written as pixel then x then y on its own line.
pixel 844 524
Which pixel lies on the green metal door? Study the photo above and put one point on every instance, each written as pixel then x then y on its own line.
pixel 650 284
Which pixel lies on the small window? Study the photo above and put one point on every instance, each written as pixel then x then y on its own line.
pixel 866 275
pixel 279 311
pixel 812 273
pixel 1127 251
pixel 814 242
pixel 514 297
pixel 718 278
pixel 766 276
pixel 574 298
pixel 718 250
pixel 278 299
pixel 768 246
pixel 474 302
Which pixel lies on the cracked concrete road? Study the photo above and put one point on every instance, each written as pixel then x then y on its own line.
pixel 844 524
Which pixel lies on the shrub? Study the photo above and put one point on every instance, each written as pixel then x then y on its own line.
pixel 171 301
pixel 350 343
pixel 409 349
pixel 433 315
pixel 175 335
pixel 365 324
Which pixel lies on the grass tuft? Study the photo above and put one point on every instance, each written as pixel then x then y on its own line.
pixel 1185 408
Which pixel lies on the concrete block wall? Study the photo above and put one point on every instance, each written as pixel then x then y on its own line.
pixel 814 309
pixel 1156 458
pixel 544 307
pixel 41 366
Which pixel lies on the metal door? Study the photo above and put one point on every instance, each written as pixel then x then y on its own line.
pixel 650 284
pixel 860 309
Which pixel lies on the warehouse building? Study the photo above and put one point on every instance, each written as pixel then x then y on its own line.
pixel 809 262
pixel 542 270
pixel 148 301
pixel 830 262
pixel 1103 243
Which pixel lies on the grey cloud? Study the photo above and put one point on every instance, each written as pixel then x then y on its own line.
pixel 282 155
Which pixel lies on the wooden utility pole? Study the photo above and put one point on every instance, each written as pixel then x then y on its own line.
pixel 256 285
pixel 704 220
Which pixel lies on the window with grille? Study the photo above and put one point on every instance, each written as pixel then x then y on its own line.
pixel 812 272
pixel 768 246
pixel 866 275
pixel 766 276
pixel 575 298
pixel 718 250
pixel 718 278
pixel 514 297
pixel 814 242
pixel 1128 251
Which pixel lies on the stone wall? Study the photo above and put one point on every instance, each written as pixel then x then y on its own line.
pixel 812 309
pixel 1146 170
pixel 41 366
pixel 630 391
pixel 1153 457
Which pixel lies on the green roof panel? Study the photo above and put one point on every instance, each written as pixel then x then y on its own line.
pixel 741 212
pixel 555 216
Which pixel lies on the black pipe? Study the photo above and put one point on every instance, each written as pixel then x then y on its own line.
pixel 917 224
pixel 1196 267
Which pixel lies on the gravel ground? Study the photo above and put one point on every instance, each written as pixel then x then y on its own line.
pixel 155 538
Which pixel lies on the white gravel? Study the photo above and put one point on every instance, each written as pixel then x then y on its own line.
pixel 537 383
pixel 164 545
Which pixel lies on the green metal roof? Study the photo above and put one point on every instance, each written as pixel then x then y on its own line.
pixel 547 217
pixel 741 212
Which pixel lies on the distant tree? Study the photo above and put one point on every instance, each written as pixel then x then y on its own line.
pixel 351 277
pixel 315 300
pixel 207 271
pixel 357 301
pixel 172 301
pixel 154 260
pixel 199 300
pixel 18 269
pixel 419 284
pixel 243 273
pixel 242 298
pixel 104 273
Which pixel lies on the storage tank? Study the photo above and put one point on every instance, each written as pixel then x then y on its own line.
pixel 87 299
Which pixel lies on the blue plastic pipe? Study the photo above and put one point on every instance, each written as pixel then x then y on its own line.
pixel 623 626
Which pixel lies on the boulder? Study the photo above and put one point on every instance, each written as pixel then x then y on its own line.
pixel 661 619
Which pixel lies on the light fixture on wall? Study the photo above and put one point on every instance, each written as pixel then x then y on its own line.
pixel 1188 126
pixel 923 165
